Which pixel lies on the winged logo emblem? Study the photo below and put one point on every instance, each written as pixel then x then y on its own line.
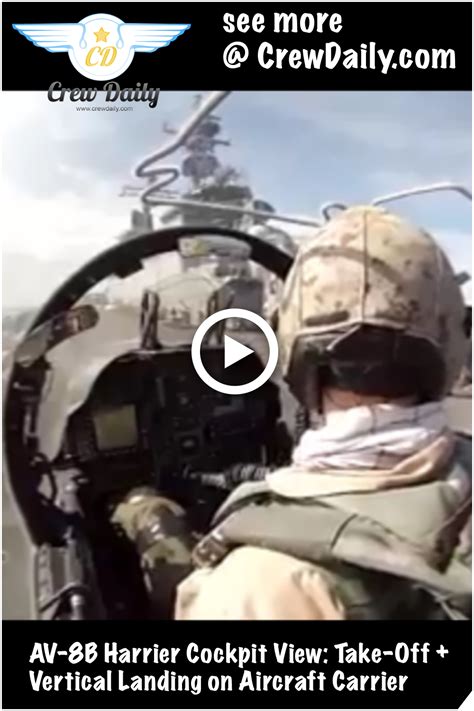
pixel 101 46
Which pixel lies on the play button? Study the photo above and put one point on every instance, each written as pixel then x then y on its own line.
pixel 234 351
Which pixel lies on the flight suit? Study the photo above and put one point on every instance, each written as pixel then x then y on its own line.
pixel 392 553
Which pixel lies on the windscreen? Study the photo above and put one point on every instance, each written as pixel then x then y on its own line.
pixel 186 294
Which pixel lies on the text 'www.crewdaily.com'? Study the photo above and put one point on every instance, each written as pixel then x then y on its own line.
pixel 104 108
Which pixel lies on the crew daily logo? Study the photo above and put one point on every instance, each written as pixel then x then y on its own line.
pixel 101 46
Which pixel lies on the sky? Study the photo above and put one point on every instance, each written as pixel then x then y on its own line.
pixel 63 169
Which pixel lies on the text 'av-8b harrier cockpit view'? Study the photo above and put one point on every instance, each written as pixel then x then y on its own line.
pixel 103 405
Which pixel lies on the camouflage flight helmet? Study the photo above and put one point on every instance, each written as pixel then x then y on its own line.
pixel 370 288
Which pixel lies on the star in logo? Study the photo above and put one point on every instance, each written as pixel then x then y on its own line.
pixel 101 35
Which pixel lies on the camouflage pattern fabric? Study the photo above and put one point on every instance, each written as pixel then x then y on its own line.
pixel 367 266
pixel 157 527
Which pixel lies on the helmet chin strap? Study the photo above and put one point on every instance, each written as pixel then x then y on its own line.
pixel 312 396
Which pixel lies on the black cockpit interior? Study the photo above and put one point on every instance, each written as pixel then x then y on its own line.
pixel 146 419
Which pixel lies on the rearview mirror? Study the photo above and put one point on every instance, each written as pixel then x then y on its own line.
pixel 58 329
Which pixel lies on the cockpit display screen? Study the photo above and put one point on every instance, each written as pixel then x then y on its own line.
pixel 116 428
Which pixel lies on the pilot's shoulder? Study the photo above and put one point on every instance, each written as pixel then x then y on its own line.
pixel 250 491
pixel 258 584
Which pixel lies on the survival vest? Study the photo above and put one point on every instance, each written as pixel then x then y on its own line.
pixel 387 554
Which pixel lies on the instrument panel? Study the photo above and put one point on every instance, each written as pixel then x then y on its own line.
pixel 151 410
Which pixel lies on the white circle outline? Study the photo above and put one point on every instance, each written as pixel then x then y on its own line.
pixel 246 387
pixel 114 73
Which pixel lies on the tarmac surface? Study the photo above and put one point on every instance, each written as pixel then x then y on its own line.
pixel 17 551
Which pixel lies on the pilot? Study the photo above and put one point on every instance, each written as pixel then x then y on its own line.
pixel 368 520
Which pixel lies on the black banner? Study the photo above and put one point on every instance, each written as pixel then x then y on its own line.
pixel 229 665
pixel 236 46
pixel 244 46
